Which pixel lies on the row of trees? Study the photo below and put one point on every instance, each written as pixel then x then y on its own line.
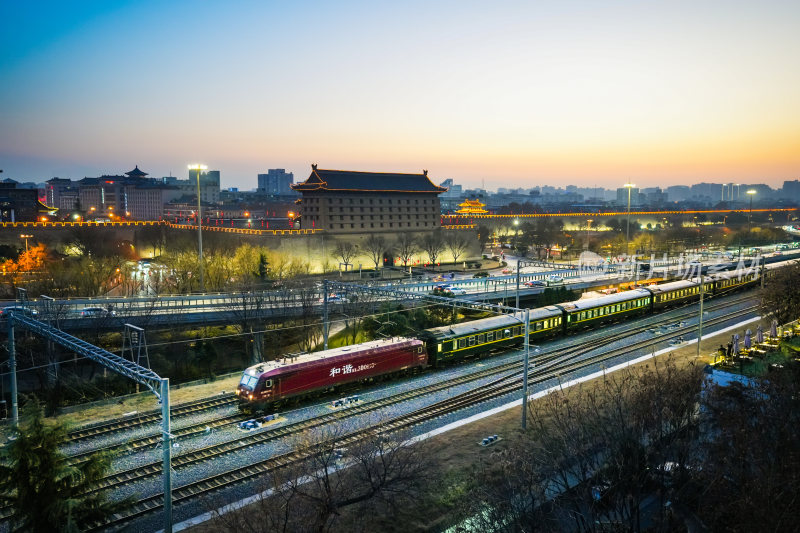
pixel 405 247
pixel 540 235
pixel 655 450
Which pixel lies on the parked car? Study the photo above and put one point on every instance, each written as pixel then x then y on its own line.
pixel 535 283
pixel 335 298
pixel 480 275
pixel 20 310
pixel 508 271
pixel 553 279
pixel 97 312
pixel 457 291
pixel 249 425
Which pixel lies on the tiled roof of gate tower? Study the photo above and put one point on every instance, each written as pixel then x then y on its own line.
pixel 348 180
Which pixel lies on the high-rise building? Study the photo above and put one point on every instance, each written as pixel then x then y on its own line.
pixel 209 185
pixel 276 182
pixel 622 196
pixel 791 190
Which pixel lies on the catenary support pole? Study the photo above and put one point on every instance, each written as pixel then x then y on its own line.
pixel 12 371
pixel 167 452
pixel 517 301
pixel 200 235
pixel 325 315
pixel 525 369
pixel 700 322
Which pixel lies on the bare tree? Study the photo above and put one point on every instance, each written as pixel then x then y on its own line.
pixel 456 245
pixel 780 296
pixel 249 307
pixel 433 245
pixel 337 473
pixel 406 246
pixel 594 453
pixel 376 246
pixel 345 251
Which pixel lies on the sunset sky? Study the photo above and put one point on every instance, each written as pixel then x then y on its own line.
pixel 508 93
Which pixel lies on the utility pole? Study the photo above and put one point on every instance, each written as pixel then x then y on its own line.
pixel 628 186
pixel 700 322
pixel 525 369
pixel 166 456
pixel 325 315
pixel 12 370
pixel 198 168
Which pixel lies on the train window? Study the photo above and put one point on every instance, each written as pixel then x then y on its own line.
pixel 481 338
pixel 268 384
pixel 507 333
pixel 419 349
pixel 490 336
pixel 462 343
pixel 517 330
pixel 439 348
pixel 472 340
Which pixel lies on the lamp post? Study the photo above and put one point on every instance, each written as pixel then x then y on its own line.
pixel 628 186
pixel 588 227
pixel 198 168
pixel 750 193
pixel 26 237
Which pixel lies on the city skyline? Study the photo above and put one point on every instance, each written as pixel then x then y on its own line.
pixel 509 96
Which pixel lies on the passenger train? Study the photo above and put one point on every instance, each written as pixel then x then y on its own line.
pixel 266 384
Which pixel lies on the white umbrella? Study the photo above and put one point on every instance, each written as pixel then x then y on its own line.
pixel 736 344
pixel 748 342
pixel 759 335
pixel 773 329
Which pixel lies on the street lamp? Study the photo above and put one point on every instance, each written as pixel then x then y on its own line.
pixel 588 227
pixel 26 237
pixel 750 193
pixel 628 186
pixel 198 168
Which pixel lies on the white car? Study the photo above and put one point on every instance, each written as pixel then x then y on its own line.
pixel 20 310
pixel 553 279
pixel 457 291
pixel 335 300
pixel 97 312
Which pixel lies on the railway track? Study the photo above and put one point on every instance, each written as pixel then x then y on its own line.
pixel 153 440
pixel 500 387
pixel 590 341
pixel 125 424
pixel 503 385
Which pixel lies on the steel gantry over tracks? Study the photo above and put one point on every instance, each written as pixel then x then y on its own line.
pixel 158 385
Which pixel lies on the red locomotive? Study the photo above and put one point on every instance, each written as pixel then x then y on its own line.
pixel 264 384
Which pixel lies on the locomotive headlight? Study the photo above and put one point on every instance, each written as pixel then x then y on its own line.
pixel 250 396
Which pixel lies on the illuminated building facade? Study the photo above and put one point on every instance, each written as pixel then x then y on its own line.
pixel 471 207
pixel 341 201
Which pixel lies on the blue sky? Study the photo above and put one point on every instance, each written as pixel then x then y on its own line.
pixel 509 93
